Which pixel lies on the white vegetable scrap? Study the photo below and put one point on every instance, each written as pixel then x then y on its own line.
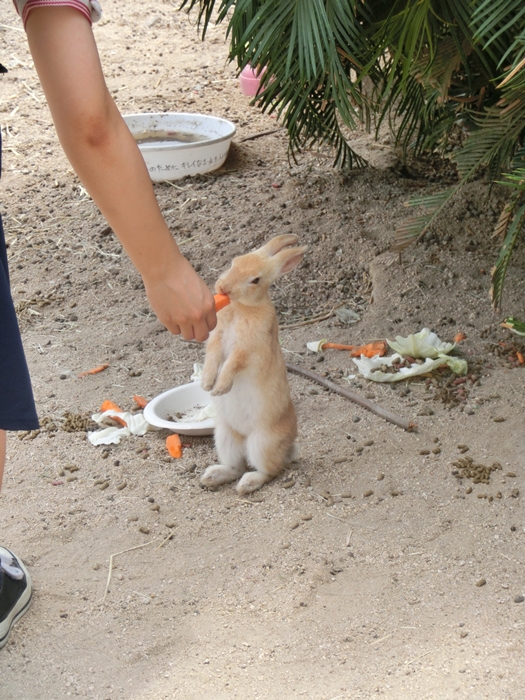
pixel 419 345
pixel 316 345
pixel 368 367
pixel 136 424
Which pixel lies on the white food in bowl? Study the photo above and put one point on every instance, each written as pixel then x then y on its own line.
pixel 187 144
pixel 185 399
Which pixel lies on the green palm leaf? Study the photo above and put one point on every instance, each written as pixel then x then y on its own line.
pixel 499 272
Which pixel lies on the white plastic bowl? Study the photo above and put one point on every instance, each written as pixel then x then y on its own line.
pixel 171 160
pixel 180 400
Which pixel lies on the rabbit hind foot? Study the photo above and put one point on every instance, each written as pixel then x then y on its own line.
pixel 252 481
pixel 218 474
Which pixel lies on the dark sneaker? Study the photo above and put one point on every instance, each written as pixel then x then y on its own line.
pixel 15 592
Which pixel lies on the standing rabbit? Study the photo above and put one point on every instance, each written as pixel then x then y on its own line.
pixel 245 371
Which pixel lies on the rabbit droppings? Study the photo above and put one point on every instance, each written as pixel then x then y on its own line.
pixel 245 371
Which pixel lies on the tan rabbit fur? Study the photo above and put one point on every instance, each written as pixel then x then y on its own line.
pixel 245 371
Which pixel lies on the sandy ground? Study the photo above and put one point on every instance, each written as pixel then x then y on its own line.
pixel 370 569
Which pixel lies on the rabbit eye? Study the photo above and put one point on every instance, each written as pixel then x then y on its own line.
pixel 255 280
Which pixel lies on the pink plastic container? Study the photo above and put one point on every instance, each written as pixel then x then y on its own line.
pixel 250 80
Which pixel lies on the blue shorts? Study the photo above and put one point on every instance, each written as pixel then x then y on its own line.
pixel 17 406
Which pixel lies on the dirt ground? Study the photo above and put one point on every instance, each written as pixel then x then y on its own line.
pixel 309 588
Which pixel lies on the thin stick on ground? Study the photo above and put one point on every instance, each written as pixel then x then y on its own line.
pixel 259 134
pixel 365 403
pixel 110 571
pixel 313 319
pixel 164 541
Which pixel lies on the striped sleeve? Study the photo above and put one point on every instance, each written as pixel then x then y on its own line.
pixel 90 8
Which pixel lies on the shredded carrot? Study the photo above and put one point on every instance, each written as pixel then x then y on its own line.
pixel 111 406
pixel 174 446
pixel 221 300
pixel 337 346
pixel 140 401
pixel 459 337
pixel 520 357
pixel 95 370
pixel 370 350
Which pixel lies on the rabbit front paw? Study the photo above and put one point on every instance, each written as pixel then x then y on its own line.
pixel 221 388
pixel 207 382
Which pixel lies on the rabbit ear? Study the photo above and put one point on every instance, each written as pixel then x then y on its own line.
pixel 287 259
pixel 278 243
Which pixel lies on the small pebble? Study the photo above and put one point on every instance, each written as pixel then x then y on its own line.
pixel 519 599
pixel 368 493
pixel 426 411
pixel 144 530
pixel 481 582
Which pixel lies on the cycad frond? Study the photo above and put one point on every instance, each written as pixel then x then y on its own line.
pixel 499 272
pixel 412 229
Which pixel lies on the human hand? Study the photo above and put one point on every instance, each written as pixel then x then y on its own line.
pixel 182 302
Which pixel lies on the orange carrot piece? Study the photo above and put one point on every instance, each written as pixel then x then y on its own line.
pixel 111 406
pixel 370 350
pixel 459 337
pixel 221 300
pixel 337 346
pixel 95 370
pixel 140 401
pixel 174 446
pixel 520 357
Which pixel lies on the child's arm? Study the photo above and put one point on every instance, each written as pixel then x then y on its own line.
pixel 108 162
